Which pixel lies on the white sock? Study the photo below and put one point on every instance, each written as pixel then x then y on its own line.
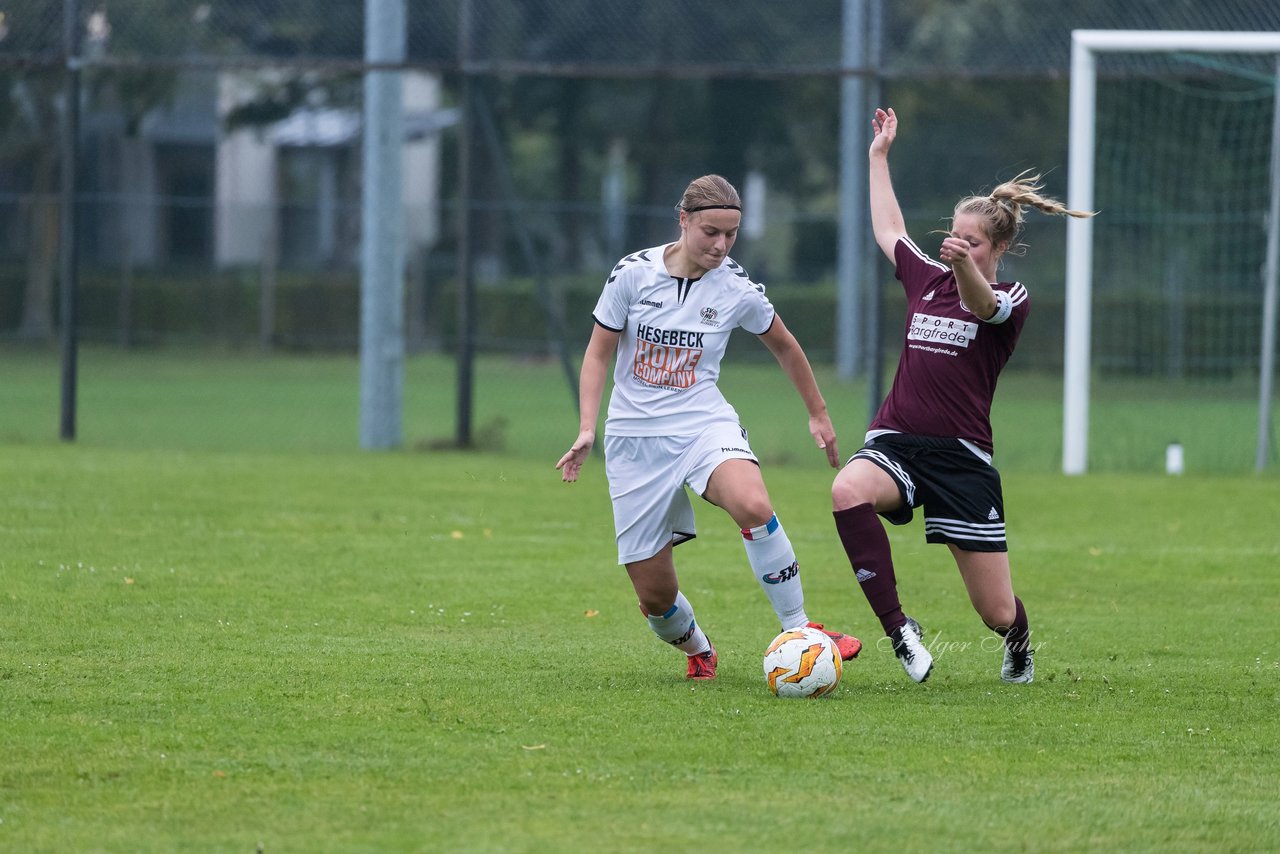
pixel 774 561
pixel 678 628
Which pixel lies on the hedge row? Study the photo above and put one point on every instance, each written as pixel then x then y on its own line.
pixel 1209 334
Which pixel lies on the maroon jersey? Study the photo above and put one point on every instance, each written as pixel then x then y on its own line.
pixel 950 359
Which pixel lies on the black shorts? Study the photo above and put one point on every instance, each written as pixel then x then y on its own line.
pixel 959 491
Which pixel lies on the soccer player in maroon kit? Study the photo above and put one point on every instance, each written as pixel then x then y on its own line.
pixel 930 443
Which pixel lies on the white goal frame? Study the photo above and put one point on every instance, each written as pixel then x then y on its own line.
pixel 1085 44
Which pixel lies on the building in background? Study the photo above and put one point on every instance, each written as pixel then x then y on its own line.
pixel 181 189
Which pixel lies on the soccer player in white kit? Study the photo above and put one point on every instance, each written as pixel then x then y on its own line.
pixel 930 443
pixel 667 312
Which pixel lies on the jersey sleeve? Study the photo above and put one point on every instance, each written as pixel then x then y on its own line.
pixel 914 268
pixel 614 304
pixel 754 312
pixel 757 312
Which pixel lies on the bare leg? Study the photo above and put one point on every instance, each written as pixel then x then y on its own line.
pixel 738 487
pixel 668 612
pixel 987 578
pixel 864 482
pixel 654 580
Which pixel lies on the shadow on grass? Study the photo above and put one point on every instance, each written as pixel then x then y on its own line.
pixel 490 436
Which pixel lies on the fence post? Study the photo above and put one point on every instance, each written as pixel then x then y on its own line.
pixel 382 352
pixel 267 270
pixel 70 145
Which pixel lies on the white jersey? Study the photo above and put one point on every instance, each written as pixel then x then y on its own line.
pixel 673 336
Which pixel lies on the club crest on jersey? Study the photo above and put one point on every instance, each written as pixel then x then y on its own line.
pixel 708 315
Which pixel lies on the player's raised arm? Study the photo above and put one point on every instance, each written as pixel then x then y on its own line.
pixel 886 216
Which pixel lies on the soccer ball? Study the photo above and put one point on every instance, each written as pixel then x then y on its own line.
pixel 802 663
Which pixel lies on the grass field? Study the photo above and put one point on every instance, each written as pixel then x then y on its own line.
pixel 208 400
pixel 223 629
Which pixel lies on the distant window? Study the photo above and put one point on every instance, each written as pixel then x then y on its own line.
pixel 185 184
pixel 314 220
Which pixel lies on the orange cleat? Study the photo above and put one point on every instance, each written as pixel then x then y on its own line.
pixel 703 665
pixel 848 645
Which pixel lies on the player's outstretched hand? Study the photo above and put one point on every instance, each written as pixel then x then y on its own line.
pixel 824 434
pixel 884 129
pixel 571 463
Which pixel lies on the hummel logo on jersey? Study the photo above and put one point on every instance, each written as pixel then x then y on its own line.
pixel 927 296
pixel 865 575
pixel 993 515
pixel 651 303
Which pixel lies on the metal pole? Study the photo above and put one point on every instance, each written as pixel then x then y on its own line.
pixel 1270 275
pixel 853 188
pixel 466 281
pixel 382 350
pixel 1080 166
pixel 871 252
pixel 70 152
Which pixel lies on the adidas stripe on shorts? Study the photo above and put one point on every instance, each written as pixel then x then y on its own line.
pixel 647 479
pixel 959 491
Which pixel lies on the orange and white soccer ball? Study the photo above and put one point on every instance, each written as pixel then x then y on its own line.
pixel 802 663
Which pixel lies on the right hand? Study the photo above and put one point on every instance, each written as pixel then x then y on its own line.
pixel 571 463
pixel 884 128
pixel 954 251
pixel 825 436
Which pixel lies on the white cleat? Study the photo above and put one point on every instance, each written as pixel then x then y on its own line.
pixel 907 645
pixel 1019 667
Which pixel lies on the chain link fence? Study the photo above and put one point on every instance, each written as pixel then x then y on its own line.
pixel 219 193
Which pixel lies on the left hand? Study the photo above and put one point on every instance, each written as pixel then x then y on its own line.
pixel 570 464
pixel 824 434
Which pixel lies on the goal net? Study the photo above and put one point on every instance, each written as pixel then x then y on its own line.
pixel 1171 289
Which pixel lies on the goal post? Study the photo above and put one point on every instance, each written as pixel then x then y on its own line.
pixel 1086 45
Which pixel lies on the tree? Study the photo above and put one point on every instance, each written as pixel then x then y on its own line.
pixel 33 108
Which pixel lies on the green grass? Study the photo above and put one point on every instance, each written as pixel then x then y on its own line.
pixel 216 635
pixel 212 400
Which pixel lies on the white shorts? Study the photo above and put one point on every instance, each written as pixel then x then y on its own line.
pixel 647 479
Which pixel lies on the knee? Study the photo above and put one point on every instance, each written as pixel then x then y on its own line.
pixel 655 599
pixel 999 616
pixel 654 605
pixel 749 505
pixel 848 492
pixel 754 511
